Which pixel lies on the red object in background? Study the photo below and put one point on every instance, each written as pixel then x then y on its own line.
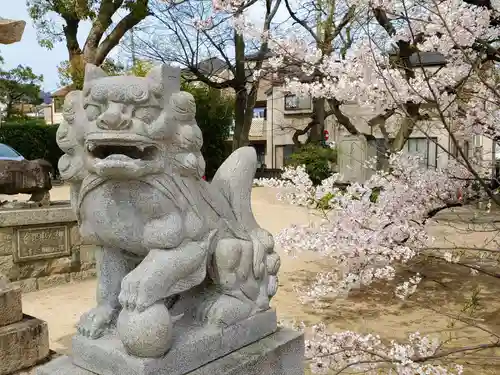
pixel 204 178
pixel 326 135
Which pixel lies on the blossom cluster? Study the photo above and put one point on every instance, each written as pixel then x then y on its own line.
pixel 368 354
pixel 367 229
pixel 463 90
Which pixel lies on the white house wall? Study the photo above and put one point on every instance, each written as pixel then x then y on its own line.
pixel 431 129
pixel 281 125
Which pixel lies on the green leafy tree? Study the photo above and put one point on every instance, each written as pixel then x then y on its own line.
pixel 141 68
pixel 214 115
pixel 317 160
pixel 111 67
pixel 58 21
pixel 19 85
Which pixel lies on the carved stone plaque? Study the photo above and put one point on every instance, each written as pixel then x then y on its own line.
pixel 41 242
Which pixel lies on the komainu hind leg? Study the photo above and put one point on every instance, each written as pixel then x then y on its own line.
pixel 233 275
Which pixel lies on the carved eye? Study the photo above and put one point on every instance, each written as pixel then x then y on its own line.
pixel 92 110
pixel 145 114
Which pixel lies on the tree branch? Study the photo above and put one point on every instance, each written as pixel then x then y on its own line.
pixel 136 15
pixel 99 26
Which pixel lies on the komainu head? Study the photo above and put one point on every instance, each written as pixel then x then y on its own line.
pixel 129 127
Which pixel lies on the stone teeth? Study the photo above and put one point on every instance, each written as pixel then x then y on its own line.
pixel 141 147
pixel 91 146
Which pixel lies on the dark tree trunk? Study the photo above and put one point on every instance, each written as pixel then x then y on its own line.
pixel 317 130
pixel 9 110
pixel 240 138
pixel 240 106
pixel 75 53
pixel 96 48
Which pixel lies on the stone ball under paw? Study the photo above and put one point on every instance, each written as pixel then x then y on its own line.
pixel 147 333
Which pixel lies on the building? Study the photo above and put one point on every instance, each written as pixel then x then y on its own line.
pixel 53 108
pixel 276 114
pixel 430 140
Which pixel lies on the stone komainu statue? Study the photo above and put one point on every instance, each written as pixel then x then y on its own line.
pixel 171 242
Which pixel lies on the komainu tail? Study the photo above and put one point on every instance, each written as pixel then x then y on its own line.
pixel 234 181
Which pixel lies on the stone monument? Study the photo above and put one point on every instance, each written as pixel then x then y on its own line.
pixel 11 31
pixel 24 340
pixel 185 273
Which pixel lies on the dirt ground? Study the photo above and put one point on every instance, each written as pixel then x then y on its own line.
pixel 445 290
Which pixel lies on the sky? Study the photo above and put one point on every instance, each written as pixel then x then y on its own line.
pixel 28 52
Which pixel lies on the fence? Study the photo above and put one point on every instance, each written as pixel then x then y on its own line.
pixel 268 173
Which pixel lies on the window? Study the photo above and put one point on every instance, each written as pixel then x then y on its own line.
pixel 454 150
pixel 381 152
pixel 288 150
pixel 426 148
pixel 260 113
pixel 282 155
pixel 58 104
pixel 297 103
pixel 8 152
pixel 260 149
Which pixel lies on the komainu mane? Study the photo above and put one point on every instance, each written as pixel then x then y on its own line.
pixel 132 155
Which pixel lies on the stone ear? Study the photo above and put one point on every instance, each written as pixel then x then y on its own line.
pixel 155 74
pixel 166 80
pixel 93 72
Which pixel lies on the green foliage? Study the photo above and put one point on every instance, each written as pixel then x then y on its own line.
pixel 375 194
pixel 58 21
pixel 141 68
pixel 33 139
pixel 111 67
pixel 317 160
pixel 214 114
pixel 49 30
pixel 19 85
pixel 323 203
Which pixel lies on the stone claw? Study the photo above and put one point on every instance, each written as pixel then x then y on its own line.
pixel 93 323
pixel 138 292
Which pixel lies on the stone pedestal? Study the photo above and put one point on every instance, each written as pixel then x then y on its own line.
pixel 41 247
pixel 24 340
pixel 11 310
pixel 281 353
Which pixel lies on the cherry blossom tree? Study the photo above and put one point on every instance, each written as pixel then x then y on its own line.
pixel 373 228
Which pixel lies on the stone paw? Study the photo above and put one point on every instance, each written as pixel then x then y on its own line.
pixel 139 291
pixel 94 322
pixel 228 310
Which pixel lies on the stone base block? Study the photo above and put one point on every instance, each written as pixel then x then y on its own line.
pixel 193 346
pixel 281 353
pixel 11 310
pixel 23 344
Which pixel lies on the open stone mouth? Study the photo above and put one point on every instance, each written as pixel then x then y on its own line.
pixel 139 151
